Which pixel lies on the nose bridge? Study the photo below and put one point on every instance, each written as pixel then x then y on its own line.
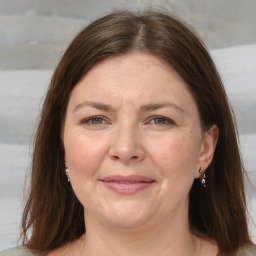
pixel 126 143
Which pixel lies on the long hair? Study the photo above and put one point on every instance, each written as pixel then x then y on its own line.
pixel 53 215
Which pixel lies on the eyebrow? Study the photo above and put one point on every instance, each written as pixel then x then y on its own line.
pixel 155 106
pixel 96 105
pixel 145 108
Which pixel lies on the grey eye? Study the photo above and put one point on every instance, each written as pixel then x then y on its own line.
pixel 161 121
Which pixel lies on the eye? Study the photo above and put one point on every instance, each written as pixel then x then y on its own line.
pixel 95 120
pixel 162 121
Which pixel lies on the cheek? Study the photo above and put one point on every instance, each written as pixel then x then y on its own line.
pixel 177 150
pixel 83 154
pixel 177 159
pixel 84 157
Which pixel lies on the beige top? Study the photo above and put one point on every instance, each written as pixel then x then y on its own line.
pixel 249 250
pixel 19 251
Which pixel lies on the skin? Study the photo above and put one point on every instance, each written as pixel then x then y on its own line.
pixel 134 115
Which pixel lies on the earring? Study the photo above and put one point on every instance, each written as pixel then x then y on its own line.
pixel 202 178
pixel 67 171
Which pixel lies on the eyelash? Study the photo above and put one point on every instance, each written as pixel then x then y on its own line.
pixel 90 120
pixel 167 121
pixel 102 120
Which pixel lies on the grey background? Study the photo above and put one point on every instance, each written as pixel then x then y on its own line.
pixel 34 35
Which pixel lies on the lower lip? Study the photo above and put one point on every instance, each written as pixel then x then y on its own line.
pixel 127 188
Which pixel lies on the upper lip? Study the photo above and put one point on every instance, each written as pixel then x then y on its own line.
pixel 129 178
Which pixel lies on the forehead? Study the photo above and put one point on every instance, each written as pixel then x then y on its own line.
pixel 136 77
pixel 136 64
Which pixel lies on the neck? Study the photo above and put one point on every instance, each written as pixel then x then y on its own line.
pixel 168 237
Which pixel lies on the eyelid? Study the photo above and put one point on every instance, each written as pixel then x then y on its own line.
pixel 88 119
pixel 169 120
pixel 106 121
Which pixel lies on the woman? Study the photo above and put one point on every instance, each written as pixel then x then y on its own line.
pixel 136 151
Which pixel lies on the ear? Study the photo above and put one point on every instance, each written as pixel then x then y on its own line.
pixel 207 149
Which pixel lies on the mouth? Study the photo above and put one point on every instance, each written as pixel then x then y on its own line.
pixel 127 185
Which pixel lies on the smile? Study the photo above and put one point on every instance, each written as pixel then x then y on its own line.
pixel 127 185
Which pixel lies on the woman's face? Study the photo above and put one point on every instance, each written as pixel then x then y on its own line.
pixel 133 142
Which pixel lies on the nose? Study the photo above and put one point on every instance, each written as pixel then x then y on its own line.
pixel 127 145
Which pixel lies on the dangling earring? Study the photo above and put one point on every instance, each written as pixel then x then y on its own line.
pixel 202 178
pixel 67 171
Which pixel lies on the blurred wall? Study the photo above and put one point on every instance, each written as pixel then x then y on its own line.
pixel 34 33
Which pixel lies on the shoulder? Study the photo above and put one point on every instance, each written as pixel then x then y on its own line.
pixel 17 251
pixel 248 250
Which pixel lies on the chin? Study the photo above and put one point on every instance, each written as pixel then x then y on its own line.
pixel 128 215
pixel 128 221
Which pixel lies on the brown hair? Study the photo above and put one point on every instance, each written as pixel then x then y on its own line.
pixel 53 214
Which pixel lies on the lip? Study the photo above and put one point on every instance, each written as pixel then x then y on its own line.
pixel 127 185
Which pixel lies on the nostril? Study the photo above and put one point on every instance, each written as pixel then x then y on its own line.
pixel 117 157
